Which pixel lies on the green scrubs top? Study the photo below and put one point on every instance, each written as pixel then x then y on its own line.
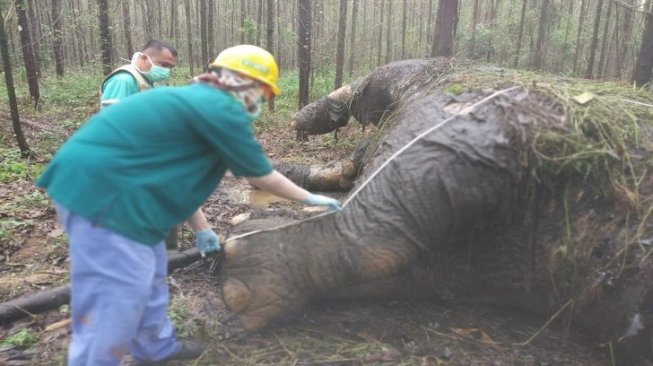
pixel 147 163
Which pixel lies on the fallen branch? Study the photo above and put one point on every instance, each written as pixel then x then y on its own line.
pixel 49 299
pixel 32 124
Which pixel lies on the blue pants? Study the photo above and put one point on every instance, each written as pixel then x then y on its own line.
pixel 119 296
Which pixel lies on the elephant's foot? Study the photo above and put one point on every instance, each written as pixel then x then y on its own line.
pixel 258 284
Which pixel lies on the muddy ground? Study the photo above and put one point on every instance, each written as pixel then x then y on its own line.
pixel 396 332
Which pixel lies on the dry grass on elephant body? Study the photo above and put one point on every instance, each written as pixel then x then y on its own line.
pixel 578 132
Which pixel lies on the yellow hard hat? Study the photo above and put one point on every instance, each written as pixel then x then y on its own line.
pixel 251 61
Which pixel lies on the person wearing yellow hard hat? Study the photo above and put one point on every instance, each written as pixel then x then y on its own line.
pixel 137 169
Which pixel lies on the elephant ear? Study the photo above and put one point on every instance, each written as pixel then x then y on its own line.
pixel 338 113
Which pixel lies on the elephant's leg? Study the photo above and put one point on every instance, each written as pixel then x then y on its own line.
pixel 271 274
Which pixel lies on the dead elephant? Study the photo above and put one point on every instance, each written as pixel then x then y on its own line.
pixel 367 100
pixel 478 197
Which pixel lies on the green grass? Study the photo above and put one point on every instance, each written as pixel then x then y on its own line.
pixel 24 338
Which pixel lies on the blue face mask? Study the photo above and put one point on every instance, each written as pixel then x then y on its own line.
pixel 157 73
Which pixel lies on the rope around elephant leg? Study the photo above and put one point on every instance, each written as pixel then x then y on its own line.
pixel 465 111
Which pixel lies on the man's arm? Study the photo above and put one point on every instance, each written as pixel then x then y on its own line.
pixel 277 184
pixel 198 221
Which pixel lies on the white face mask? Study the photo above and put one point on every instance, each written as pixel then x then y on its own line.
pixel 156 73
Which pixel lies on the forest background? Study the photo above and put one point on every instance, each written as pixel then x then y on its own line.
pixel 56 52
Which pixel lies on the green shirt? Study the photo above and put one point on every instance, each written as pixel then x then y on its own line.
pixel 119 85
pixel 147 163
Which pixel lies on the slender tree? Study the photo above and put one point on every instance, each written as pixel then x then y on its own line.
pixel 604 43
pixel 589 73
pixel 11 91
pixel 304 49
pixel 644 64
pixel 204 45
pixel 189 36
pixel 28 53
pixel 403 29
pixel 57 41
pixel 379 42
pixel 520 35
pixel 259 21
pixel 340 49
pixel 445 27
pixel 472 41
pixel 210 29
pixel 626 33
pixel 269 37
pixel 243 13
pixel 126 18
pixel 352 37
pixel 35 33
pixel 388 34
pixel 538 60
pixel 579 35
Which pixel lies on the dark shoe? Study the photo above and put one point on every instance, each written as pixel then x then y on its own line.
pixel 188 351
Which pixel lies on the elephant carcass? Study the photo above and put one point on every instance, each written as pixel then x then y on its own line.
pixel 378 92
pixel 466 213
pixel 324 115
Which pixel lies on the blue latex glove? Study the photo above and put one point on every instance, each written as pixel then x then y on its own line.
pixel 319 200
pixel 207 241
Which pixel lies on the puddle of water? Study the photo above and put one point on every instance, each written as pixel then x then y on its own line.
pixel 262 199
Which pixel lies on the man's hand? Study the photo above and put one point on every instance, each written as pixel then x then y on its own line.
pixel 207 241
pixel 319 200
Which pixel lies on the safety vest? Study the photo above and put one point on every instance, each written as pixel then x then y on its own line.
pixel 141 81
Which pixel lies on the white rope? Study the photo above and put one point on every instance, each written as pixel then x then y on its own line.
pixel 632 101
pixel 385 163
pixel 419 137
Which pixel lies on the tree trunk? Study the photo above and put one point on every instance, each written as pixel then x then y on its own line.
pixel 204 45
pixel 28 53
pixel 36 34
pixel 126 16
pixel 11 92
pixel 56 37
pixel 388 35
pixel 55 297
pixel 538 60
pixel 259 22
pixel 269 37
pixel 352 38
pixel 340 49
pixel 304 49
pixel 379 43
pixel 189 37
pixel 445 26
pixel 242 21
pixel 626 33
pixel 604 43
pixel 644 64
pixel 589 73
pixel 429 30
pixel 403 29
pixel 472 41
pixel 210 30
pixel 521 33
pixel 579 43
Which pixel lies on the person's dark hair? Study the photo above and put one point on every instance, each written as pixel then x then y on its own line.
pixel 159 45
